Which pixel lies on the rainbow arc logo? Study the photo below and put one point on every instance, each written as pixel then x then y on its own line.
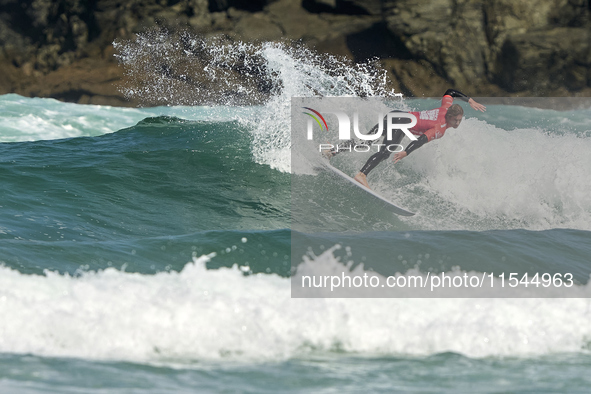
pixel 387 124
pixel 315 117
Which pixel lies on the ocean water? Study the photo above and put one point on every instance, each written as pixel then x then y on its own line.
pixel 150 250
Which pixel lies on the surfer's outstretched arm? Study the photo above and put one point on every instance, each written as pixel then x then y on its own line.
pixel 457 94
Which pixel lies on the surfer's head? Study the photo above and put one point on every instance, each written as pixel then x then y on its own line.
pixel 454 115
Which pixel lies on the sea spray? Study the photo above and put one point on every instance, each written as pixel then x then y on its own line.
pixel 173 68
pixel 181 68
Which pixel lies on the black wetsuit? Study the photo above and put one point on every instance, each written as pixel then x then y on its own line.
pixel 384 151
pixel 397 135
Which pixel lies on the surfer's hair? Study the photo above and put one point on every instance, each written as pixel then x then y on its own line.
pixel 455 110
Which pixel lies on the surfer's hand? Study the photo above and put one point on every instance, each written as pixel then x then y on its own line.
pixel 399 156
pixel 476 106
pixel 328 154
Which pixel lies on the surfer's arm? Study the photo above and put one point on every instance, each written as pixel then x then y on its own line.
pixel 457 94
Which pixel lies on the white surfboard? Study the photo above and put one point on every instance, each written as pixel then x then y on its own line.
pixel 394 208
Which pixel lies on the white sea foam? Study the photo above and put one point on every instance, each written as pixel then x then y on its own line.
pixel 34 119
pixel 480 177
pixel 25 119
pixel 200 314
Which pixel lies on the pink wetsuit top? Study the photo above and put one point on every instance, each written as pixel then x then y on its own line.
pixel 432 122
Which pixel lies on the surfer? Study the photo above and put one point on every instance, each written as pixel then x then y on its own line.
pixel 431 125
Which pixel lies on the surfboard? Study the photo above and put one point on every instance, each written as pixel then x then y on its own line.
pixel 390 205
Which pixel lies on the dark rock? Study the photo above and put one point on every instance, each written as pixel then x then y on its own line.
pixel 257 27
pixel 571 13
pixel 347 7
pixel 247 5
pixel 544 61
pixel 415 79
pixel 447 34
pixel 377 41
pixel 492 47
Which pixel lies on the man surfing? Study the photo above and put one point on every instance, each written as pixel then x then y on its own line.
pixel 430 125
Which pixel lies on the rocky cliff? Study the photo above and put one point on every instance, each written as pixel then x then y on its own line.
pixel 63 48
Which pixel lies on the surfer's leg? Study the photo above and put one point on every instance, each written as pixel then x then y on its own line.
pixel 383 152
pixel 375 128
pixel 346 146
pixel 375 159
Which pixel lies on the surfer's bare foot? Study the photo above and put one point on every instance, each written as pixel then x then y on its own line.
pixel 361 178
